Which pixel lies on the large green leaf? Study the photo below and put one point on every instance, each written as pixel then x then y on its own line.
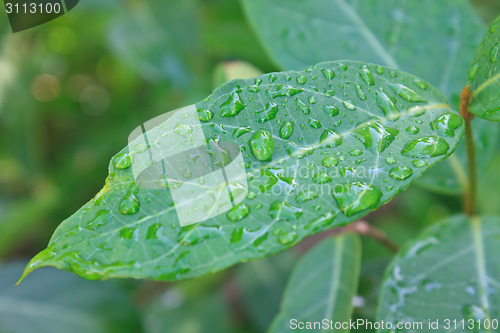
pixel 321 147
pixel 451 271
pixel 484 76
pixel 435 40
pixel 322 286
pixel 432 39
pixel 59 302
pixel 174 311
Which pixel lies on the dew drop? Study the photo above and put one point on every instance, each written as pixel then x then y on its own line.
pixel 303 106
pixel 494 53
pixel 387 105
pixel 238 212
pixel 301 79
pixel 306 196
pixel 330 161
pixel 390 160
pixel 328 73
pixel 473 71
pixel 332 110
pixel 280 210
pixel 185 131
pixel 400 173
pixel 446 124
pixel 430 146
pixel 406 93
pixel 122 161
pixel 356 197
pixel 330 139
pixel 287 237
pixel 367 75
pixel 205 115
pixel 321 222
pixel 375 135
pixel 421 84
pixel 329 92
pixel 350 105
pixel 286 130
pixel 355 152
pixel 360 92
pixel 286 91
pixel 314 123
pixel 129 204
pixel 412 129
pixel 419 163
pixel 380 69
pixel 233 105
pixel 154 231
pixel 240 131
pixel 312 100
pixel 321 178
pixel 100 219
pixel 262 145
pixel 129 233
pixel 269 113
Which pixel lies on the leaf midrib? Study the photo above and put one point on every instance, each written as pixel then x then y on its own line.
pixel 336 270
pixel 482 275
pixel 367 34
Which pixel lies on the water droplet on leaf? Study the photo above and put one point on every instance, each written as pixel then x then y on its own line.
pixel 262 145
pixel 400 173
pixel 238 212
pixel 430 146
pixel 356 197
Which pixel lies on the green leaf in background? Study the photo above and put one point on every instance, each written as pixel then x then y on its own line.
pixel 231 70
pixel 322 285
pixel 432 39
pixel 435 40
pixel 321 147
pixel 59 302
pixel 451 271
pixel 262 283
pixel 174 311
pixel 484 76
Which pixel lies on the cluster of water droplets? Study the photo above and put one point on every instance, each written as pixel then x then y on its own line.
pixel 302 115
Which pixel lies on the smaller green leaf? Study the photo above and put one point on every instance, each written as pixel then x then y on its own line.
pixel 59 302
pixel 176 311
pixel 484 76
pixel 450 272
pixel 262 284
pixel 322 285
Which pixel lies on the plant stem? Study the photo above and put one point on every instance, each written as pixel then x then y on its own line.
pixel 471 189
pixel 366 229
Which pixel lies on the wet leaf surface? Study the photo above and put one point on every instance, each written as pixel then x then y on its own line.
pixel 450 271
pixel 349 145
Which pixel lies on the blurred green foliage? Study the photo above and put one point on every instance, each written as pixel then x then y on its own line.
pixel 70 93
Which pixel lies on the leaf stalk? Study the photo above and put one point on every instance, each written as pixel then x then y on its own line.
pixel 470 195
